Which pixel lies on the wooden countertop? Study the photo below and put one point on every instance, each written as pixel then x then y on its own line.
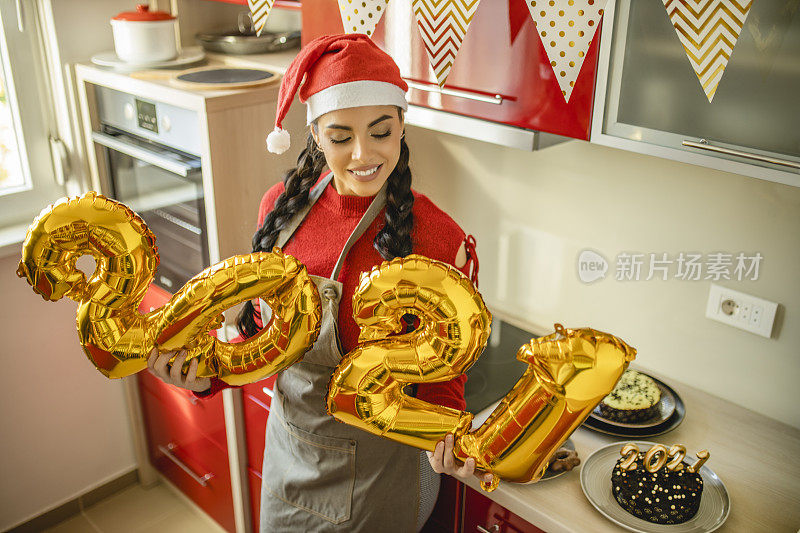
pixel 757 458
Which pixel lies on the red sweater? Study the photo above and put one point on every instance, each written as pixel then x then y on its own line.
pixel 321 237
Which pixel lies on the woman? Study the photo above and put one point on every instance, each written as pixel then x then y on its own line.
pixel 319 474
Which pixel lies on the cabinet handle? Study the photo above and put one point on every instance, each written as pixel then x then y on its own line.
pixel 167 451
pixel 496 99
pixel 493 529
pixel 703 145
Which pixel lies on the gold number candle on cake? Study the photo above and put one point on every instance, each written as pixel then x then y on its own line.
pixel 117 338
pixel 650 488
pixel 569 373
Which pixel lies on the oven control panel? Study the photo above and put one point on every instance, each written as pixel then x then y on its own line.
pixel 157 121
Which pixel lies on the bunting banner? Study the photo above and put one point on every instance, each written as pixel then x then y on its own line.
pixel 708 30
pixel 566 30
pixel 361 16
pixel 259 10
pixel 443 25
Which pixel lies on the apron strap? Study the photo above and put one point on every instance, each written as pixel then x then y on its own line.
pixel 313 195
pixel 369 216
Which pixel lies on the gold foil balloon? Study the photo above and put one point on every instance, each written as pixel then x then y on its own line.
pixel 117 338
pixel 366 390
pixel 569 373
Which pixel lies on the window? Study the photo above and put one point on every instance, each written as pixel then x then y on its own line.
pixel 27 176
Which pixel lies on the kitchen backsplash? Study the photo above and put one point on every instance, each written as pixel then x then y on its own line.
pixel 534 212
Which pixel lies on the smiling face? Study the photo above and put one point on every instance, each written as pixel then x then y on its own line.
pixel 361 146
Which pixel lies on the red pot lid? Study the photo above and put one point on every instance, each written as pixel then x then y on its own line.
pixel 143 13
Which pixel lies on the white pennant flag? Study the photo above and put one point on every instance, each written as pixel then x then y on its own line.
pixel 708 30
pixel 566 30
pixel 259 10
pixel 361 16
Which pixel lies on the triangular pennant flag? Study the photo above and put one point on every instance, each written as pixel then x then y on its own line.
pixel 566 30
pixel 443 25
pixel 361 16
pixel 708 30
pixel 259 10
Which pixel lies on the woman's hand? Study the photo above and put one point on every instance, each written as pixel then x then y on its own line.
pixel 444 462
pixel 159 366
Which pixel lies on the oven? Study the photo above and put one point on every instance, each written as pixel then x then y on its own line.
pixel 151 153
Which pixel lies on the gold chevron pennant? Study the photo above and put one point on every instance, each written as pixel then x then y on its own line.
pixel 566 30
pixel 259 9
pixel 708 30
pixel 361 16
pixel 443 25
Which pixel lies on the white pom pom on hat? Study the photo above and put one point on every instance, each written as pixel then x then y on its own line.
pixel 278 141
pixel 338 72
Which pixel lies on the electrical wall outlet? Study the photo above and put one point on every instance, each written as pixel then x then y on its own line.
pixel 741 310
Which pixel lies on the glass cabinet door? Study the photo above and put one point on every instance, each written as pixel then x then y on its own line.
pixel 654 96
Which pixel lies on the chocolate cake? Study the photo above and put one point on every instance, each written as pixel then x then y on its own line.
pixel 634 399
pixel 661 497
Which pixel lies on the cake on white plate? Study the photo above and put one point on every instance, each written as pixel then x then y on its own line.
pixel 635 398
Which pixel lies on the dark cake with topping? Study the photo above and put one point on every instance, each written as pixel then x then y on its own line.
pixel 661 497
pixel 635 398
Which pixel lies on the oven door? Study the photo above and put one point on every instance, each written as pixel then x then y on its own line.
pixel 164 187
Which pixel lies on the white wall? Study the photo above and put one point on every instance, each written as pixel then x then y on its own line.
pixel 554 203
pixel 65 426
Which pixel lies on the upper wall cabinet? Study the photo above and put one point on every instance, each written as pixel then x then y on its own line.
pixel 492 78
pixel 649 99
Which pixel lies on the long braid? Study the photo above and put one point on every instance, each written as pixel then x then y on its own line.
pixel 297 184
pixel 394 238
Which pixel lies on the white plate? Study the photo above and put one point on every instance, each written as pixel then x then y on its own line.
pixel 188 55
pixel 715 505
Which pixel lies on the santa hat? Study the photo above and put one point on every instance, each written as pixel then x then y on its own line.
pixel 340 71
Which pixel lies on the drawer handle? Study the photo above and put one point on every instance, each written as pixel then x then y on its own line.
pixel 167 451
pixel 496 99
pixel 703 145
pixel 268 392
pixel 493 529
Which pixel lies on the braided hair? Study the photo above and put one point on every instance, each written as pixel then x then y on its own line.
pixel 393 239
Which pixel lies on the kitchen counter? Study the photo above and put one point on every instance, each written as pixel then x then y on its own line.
pixel 754 456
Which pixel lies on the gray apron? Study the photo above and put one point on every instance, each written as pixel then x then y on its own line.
pixel 320 474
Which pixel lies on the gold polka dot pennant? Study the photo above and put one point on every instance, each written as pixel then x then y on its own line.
pixel 259 9
pixel 361 16
pixel 566 28
pixel 708 30
pixel 443 25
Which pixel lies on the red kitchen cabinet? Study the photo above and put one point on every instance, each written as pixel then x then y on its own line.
pixel 195 464
pixel 257 401
pixel 255 496
pixel 482 514
pixel 516 76
pixel 445 517
pixel 186 437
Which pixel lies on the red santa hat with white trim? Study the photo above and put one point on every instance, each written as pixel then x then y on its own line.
pixel 337 71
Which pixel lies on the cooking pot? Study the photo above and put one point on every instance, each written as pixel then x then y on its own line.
pixel 144 36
